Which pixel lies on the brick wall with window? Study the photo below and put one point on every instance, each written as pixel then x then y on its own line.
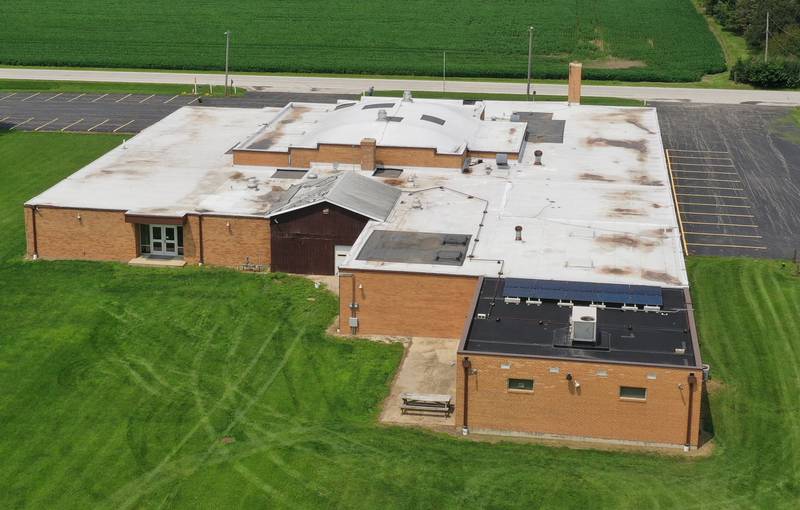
pixel 602 400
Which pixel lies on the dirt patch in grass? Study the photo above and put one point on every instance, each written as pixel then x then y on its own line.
pixel 614 63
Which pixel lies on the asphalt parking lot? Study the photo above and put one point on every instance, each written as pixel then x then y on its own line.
pixel 736 176
pixel 119 113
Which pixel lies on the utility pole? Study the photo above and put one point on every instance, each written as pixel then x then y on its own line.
pixel 227 53
pixel 530 53
pixel 444 71
pixel 766 40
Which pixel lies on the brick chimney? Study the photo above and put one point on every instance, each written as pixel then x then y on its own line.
pixel 574 94
pixel 368 154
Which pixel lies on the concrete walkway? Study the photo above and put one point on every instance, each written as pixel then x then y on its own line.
pixel 358 85
pixel 428 367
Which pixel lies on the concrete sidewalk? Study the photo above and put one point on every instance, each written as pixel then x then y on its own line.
pixel 338 85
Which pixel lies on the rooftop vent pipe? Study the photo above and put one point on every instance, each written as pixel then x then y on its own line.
pixel 382 115
pixel 407 96
pixel 537 157
pixel 518 230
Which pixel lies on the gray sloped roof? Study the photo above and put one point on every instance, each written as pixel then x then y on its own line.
pixel 347 190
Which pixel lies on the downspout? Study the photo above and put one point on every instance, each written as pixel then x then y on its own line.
pixel 692 383
pixel 353 306
pixel 200 235
pixel 33 229
pixel 467 364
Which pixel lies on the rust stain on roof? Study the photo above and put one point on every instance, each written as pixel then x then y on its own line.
pixel 660 276
pixel 617 271
pixel 646 180
pixel 626 240
pixel 588 176
pixel 639 146
pixel 619 212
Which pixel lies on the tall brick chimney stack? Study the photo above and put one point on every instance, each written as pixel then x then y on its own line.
pixel 574 94
pixel 368 154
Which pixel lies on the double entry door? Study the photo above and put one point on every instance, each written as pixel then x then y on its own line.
pixel 164 240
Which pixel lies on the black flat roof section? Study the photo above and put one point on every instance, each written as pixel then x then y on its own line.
pixel 517 327
pixel 415 247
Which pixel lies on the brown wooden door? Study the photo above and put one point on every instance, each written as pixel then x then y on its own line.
pixel 302 255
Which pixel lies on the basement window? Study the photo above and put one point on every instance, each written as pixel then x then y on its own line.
pixel 431 118
pixel 520 384
pixel 632 393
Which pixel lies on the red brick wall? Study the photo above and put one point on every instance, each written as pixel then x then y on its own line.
pixel 594 410
pixel 260 158
pixel 407 304
pixel 98 235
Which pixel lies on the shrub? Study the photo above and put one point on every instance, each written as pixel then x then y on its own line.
pixel 774 74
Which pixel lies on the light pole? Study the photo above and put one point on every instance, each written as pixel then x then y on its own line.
pixel 227 53
pixel 530 52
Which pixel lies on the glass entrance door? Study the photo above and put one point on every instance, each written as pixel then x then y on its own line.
pixel 164 240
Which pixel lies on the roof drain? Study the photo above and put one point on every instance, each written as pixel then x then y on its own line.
pixel 692 380
pixel 467 364
pixel 518 231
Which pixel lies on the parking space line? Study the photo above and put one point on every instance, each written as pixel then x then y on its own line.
pixel 34 95
pixel 707 187
pixel 123 98
pixel 145 99
pixel 21 123
pixel 703 164
pixel 53 97
pixel 723 235
pixel 170 99
pixel 705 173
pixel 192 101
pixel 720 214
pixel 6 97
pixel 719 224
pixel 76 97
pixel 706 195
pixel 707 179
pixel 97 125
pixel 122 126
pixel 76 122
pixel 675 201
pixel 729 246
pixel 46 124
pixel 99 98
pixel 700 152
pixel 715 205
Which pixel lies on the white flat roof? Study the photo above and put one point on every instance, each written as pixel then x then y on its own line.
pixel 178 165
pixel 600 209
pixel 449 126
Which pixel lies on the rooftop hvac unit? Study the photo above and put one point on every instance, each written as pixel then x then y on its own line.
pixel 501 159
pixel 583 324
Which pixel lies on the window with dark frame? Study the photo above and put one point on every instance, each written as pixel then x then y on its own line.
pixel 520 384
pixel 144 239
pixel 180 240
pixel 633 393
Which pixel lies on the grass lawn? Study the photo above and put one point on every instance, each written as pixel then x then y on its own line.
pixel 607 101
pixel 91 87
pixel 119 385
pixel 669 40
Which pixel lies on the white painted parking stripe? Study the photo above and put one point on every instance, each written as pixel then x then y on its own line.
pixel 122 126
pixel 709 172
pixel 53 97
pixel 145 99
pixel 123 98
pixel 699 152
pixel 67 127
pixel 46 124
pixel 706 187
pixel 21 123
pixel 99 98
pixel 719 214
pixel 710 196
pixel 192 101
pixel 739 225
pixel 724 235
pixel 98 125
pixel 728 246
pixel 4 118
pixel 709 179
pixel 716 205
pixel 34 95
pixel 6 97
pixel 170 99
pixel 699 164
pixel 76 97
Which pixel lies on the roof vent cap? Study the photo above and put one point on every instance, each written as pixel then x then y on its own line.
pixel 407 96
pixel 382 116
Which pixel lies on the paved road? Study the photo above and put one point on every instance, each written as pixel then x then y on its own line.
pixel 736 172
pixel 118 113
pixel 358 85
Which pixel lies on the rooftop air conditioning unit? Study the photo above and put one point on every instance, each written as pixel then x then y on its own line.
pixel 583 324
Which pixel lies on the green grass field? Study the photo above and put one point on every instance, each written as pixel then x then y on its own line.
pixel 119 385
pixel 650 40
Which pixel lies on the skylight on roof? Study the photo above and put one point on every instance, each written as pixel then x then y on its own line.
pixel 375 106
pixel 435 120
pixel 344 105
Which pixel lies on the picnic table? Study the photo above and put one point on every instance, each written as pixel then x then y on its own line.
pixel 426 402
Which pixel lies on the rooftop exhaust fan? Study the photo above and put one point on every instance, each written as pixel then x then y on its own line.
pixel 583 324
pixel 382 116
